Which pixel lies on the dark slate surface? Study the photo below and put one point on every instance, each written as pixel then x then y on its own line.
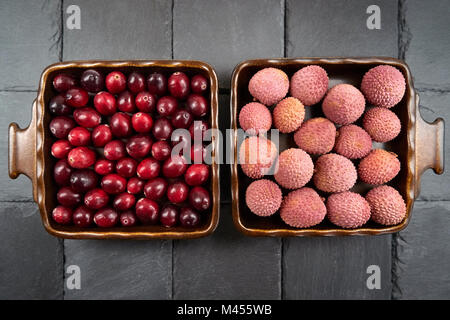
pixel 224 33
pixel 29 41
pixel 31 261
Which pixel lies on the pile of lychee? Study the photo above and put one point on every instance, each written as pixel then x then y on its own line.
pixel 314 181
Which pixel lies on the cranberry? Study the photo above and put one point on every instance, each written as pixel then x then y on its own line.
pixel 77 97
pixel 79 136
pixel 81 157
pixel 177 192
pixel 120 124
pixel 199 84
pixel 82 217
pixel 63 82
pixel 61 172
pixel 96 199
pixel 124 201
pixel 125 102
pixel 101 135
pixel 136 82
pixel 182 119
pixel 198 153
pixel 145 101
pixel 147 211
pixel 161 150
pixel 104 167
pixel 113 183
pixel 60 126
pixel 178 85
pixel 189 217
pixel 138 146
pixel 105 103
pixel 166 106
pixel 83 180
pixel 59 107
pixel 127 218
pixel 116 82
pixel 67 197
pixel 198 129
pixel 148 169
pixel 126 167
pixel 142 122
pixel 162 129
pixel 114 150
pixel 199 198
pixel 197 105
pixel 174 167
pixel 157 84
pixel 196 174
pixel 92 80
pixel 87 117
pixel 106 218
pixel 62 215
pixel 169 215
pixel 135 185
pixel 155 189
pixel 61 148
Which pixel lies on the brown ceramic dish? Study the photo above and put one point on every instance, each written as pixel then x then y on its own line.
pixel 419 146
pixel 29 152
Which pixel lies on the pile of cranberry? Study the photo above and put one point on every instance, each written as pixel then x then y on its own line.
pixel 114 147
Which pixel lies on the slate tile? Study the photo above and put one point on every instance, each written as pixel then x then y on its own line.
pixel 114 269
pixel 31 260
pixel 224 33
pixel 29 37
pixel 135 29
pixel 227 265
pixel 423 257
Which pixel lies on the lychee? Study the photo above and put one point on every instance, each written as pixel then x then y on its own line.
pixel 382 124
pixel 269 85
pixel 334 173
pixel 256 156
pixel 379 167
pixel 295 168
pixel 263 197
pixel 386 205
pixel 288 115
pixel 309 84
pixel 255 118
pixel 348 210
pixel 343 104
pixel 353 142
pixel 316 136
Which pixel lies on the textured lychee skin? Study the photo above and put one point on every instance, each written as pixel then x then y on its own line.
pixel 383 86
pixel 255 118
pixel 343 104
pixel 348 210
pixel 256 156
pixel 263 197
pixel 379 167
pixel 288 115
pixel 309 84
pixel 295 168
pixel 382 124
pixel 353 142
pixel 316 136
pixel 334 173
pixel 269 85
pixel 386 205
pixel 303 208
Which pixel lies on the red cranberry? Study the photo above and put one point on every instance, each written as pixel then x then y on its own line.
pixel 105 103
pixel 157 84
pixel 145 101
pixel 155 189
pixel 127 218
pixel 126 167
pixel 106 218
pixel 116 82
pixel 178 85
pixel 67 197
pixel 138 146
pixel 147 211
pixel 166 106
pixel 182 119
pixel 63 82
pixel 162 129
pixel 189 217
pixel 120 124
pixel 114 150
pixel 135 185
pixel 197 105
pixel 198 153
pixel 83 180
pixel 101 135
pixel 148 169
pixel 87 117
pixel 161 150
pixel 61 172
pixel 61 148
pixel 196 174
pixel 92 80
pixel 124 201
pixel 79 136
pixel 62 215
pixel 199 84
pixel 174 167
pixel 104 167
pixel 96 199
pixel 197 130
pixel 82 217
pixel 77 97
pixel 59 107
pixel 81 157
pixel 142 122
pixel 113 183
pixel 125 102
pixel 177 192
pixel 60 126
pixel 136 82
pixel 169 215
pixel 199 198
